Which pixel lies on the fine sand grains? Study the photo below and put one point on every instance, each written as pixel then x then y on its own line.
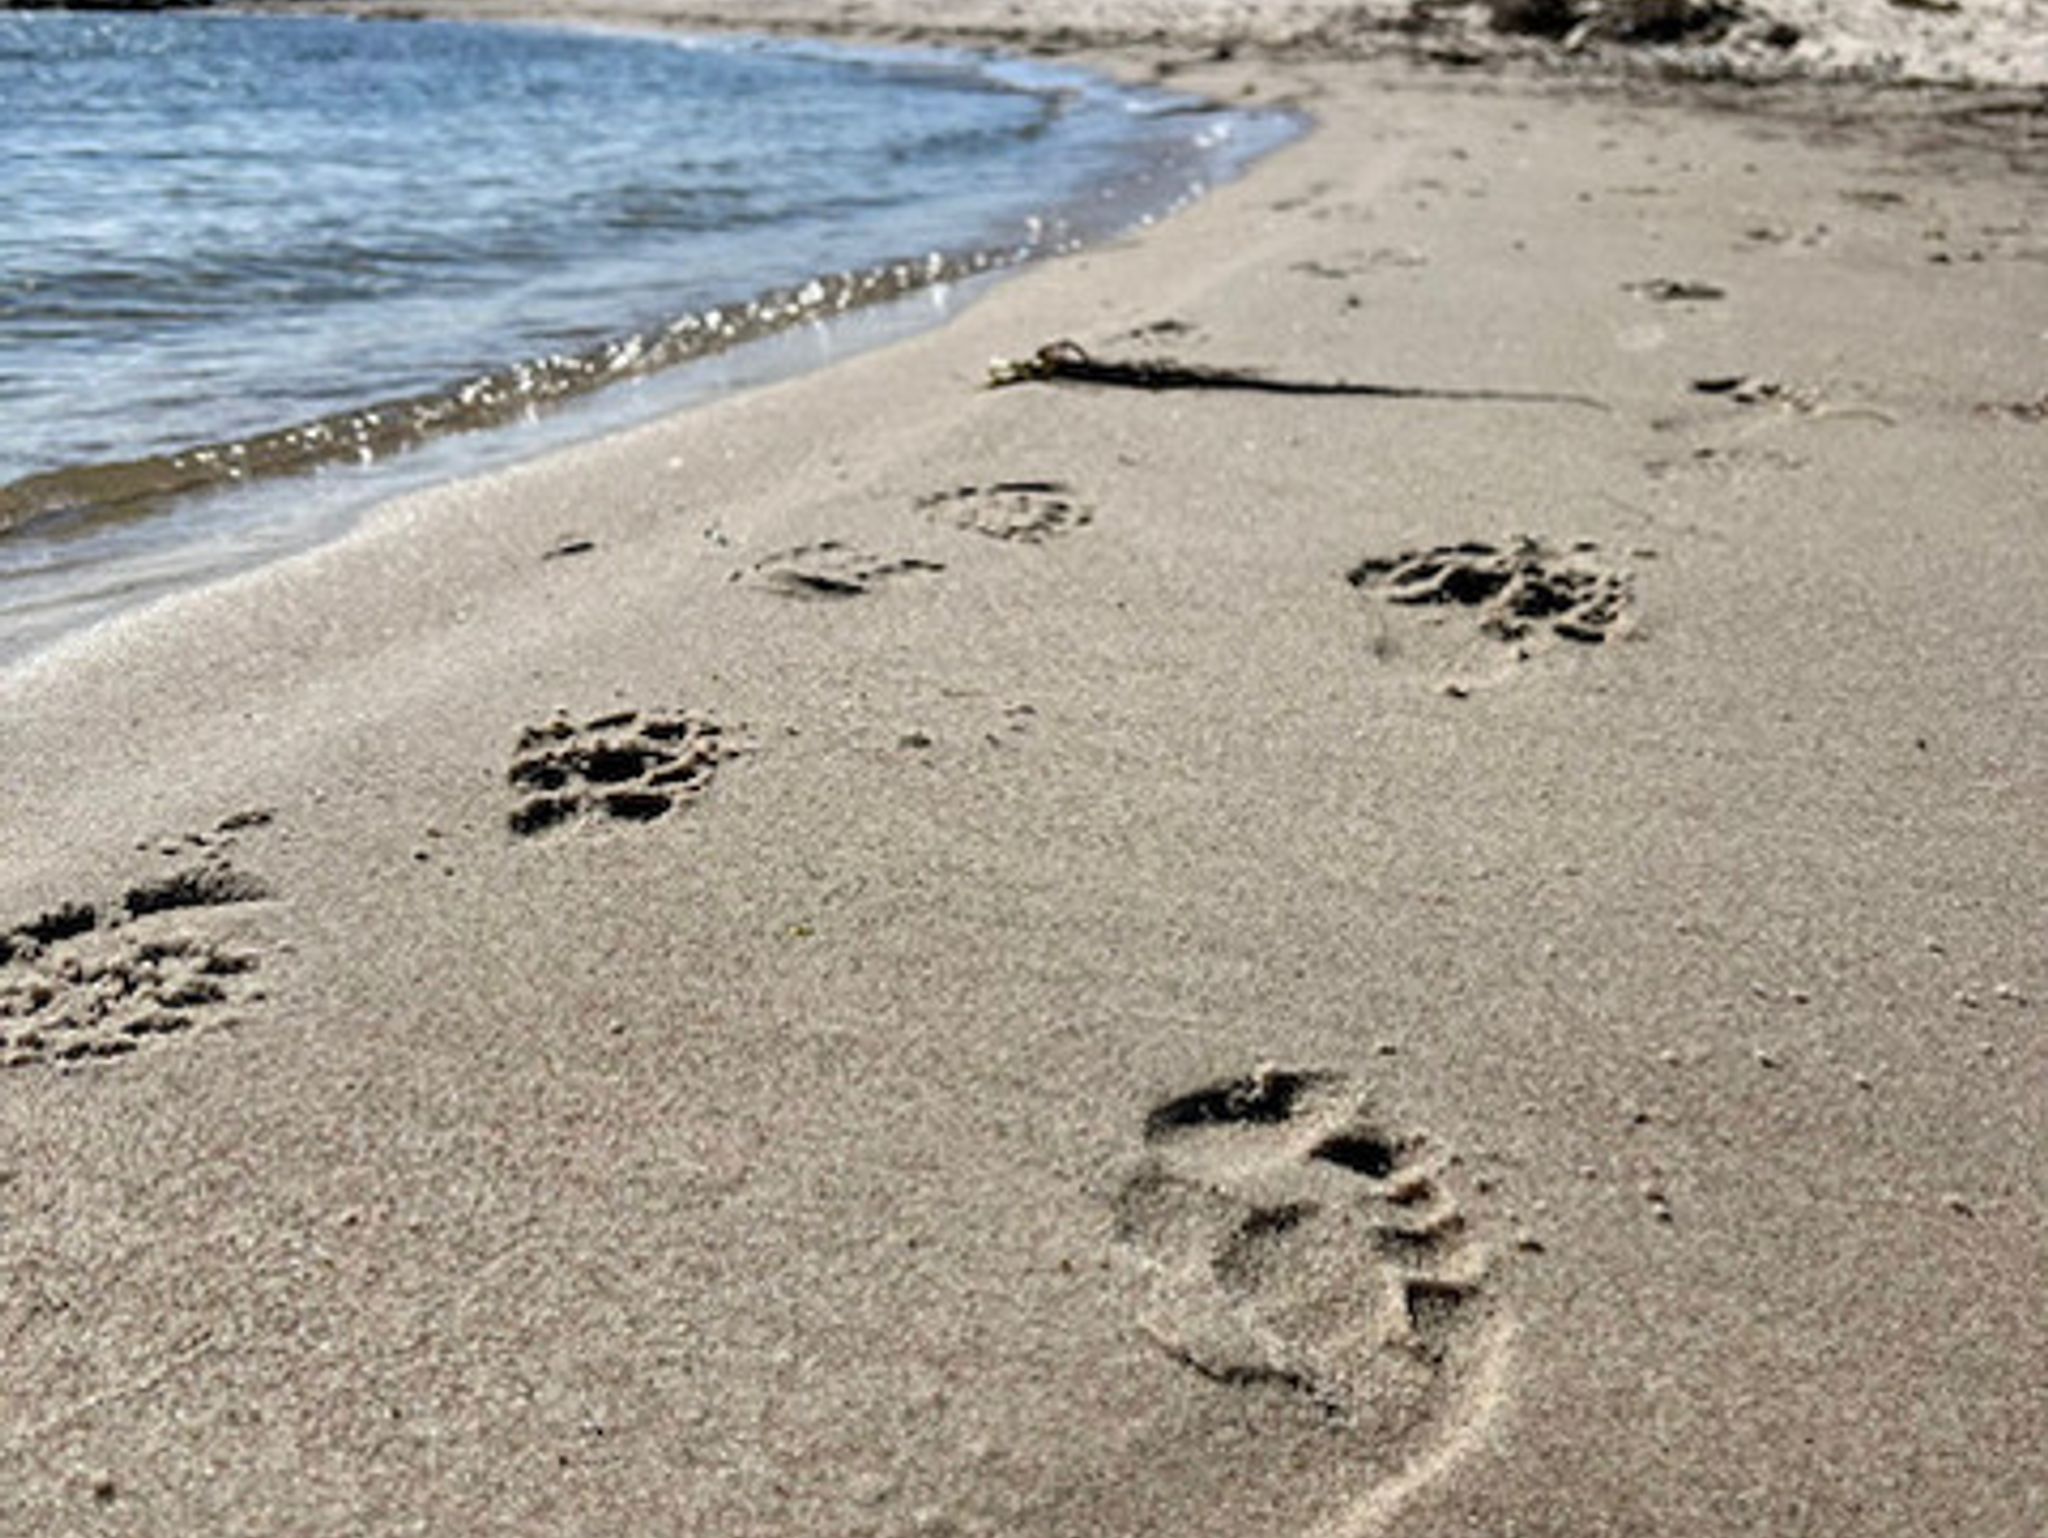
pixel 875 1141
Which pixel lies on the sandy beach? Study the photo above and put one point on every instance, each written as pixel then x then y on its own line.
pixel 1137 954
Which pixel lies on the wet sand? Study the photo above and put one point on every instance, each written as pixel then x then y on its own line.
pixel 886 956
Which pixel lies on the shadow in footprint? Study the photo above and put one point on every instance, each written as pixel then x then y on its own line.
pixel 1265 1100
pixel 1517 589
pixel 1676 290
pixel 830 569
pixel 619 766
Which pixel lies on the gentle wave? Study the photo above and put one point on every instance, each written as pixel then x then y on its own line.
pixel 117 491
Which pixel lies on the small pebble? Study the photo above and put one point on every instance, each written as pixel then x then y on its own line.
pixel 1764 1059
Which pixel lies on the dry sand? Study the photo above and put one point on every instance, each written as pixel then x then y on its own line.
pixel 1122 1024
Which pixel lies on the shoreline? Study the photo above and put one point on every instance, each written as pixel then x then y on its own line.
pixel 119 520
pixel 1073 958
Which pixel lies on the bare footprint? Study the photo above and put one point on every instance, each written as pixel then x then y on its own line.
pixel 1676 290
pixel 1517 589
pixel 624 767
pixel 1803 400
pixel 1299 1247
pixel 1359 263
pixel 1026 512
pixel 1159 330
pixel 830 568
pixel 2030 411
pixel 82 983
pixel 1730 460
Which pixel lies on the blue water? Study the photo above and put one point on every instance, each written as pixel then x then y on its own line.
pixel 238 248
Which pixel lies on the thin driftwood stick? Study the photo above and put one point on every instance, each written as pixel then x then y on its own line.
pixel 1071 363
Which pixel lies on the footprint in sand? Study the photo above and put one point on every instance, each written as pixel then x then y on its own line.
pixel 1357 264
pixel 1158 330
pixel 829 569
pixel 2034 411
pixel 1676 290
pixel 1024 512
pixel 1518 589
pixel 83 983
pixel 1801 400
pixel 625 766
pixel 1729 460
pixel 1296 1246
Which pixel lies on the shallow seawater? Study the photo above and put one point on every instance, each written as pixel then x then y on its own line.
pixel 260 252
